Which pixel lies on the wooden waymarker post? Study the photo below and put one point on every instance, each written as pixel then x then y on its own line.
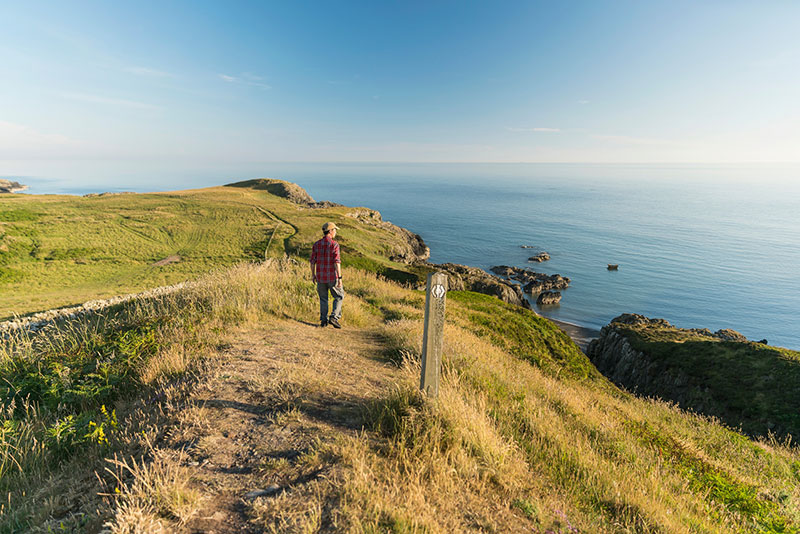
pixel 433 337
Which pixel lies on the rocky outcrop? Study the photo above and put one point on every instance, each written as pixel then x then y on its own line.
pixel 548 298
pixel 279 188
pixel 726 334
pixel 323 204
pixel 464 278
pixel 409 249
pixel 7 186
pixel 614 356
pixel 540 257
pixel 721 374
pixel 634 319
pixel 533 282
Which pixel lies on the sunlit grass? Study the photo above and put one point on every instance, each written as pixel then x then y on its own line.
pixel 508 443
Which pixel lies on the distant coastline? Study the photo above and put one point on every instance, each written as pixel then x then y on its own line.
pixel 7 186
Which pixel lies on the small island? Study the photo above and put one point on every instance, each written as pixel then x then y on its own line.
pixel 7 186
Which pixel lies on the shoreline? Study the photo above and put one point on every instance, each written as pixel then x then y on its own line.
pixel 581 335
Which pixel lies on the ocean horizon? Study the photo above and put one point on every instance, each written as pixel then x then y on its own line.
pixel 703 246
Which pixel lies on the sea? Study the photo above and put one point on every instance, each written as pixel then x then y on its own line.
pixel 703 246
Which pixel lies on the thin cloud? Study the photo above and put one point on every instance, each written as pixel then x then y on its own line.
pixel 144 71
pixel 629 140
pixel 583 102
pixel 246 78
pixel 98 99
pixel 540 129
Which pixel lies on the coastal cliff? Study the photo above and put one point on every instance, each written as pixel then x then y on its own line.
pixel 410 248
pixel 745 384
pixel 7 186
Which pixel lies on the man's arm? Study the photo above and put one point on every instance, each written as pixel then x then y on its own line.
pixel 337 258
pixel 313 261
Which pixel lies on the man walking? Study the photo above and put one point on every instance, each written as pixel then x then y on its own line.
pixel 326 271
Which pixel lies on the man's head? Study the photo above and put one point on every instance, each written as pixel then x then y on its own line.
pixel 329 228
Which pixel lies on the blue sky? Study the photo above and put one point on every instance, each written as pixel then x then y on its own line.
pixel 175 84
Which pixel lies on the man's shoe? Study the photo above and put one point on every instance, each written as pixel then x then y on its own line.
pixel 334 322
pixel 323 324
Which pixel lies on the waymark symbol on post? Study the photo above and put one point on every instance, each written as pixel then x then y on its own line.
pixel 438 291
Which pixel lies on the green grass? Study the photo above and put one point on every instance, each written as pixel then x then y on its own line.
pixel 59 250
pixel 524 334
pixel 734 495
pixel 518 423
pixel 750 385
pixel 524 420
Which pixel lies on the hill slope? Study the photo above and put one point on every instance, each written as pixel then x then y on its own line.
pixel 59 250
pixel 748 385
pixel 228 387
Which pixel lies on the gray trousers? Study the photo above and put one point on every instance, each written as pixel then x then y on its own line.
pixel 338 295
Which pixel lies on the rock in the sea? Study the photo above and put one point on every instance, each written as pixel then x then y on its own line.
pixel 526 246
pixel 613 267
pixel 464 278
pixel 548 297
pixel 533 282
pixel 542 256
pixel 763 342
pixel 554 281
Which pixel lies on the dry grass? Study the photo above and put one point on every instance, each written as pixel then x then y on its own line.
pixel 158 495
pixel 505 448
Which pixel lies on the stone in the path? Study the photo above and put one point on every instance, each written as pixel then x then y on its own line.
pixel 269 490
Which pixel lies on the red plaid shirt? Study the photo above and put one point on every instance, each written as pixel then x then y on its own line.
pixel 325 256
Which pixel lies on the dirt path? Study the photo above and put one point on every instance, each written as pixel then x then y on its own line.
pixel 278 393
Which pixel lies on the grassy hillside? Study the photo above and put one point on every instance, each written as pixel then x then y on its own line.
pixel 524 438
pixel 106 419
pixel 745 384
pixel 57 250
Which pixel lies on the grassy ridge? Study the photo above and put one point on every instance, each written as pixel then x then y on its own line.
pixel 57 250
pixel 750 385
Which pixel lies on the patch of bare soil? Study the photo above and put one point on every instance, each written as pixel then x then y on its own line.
pixel 254 430
pixel 166 261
